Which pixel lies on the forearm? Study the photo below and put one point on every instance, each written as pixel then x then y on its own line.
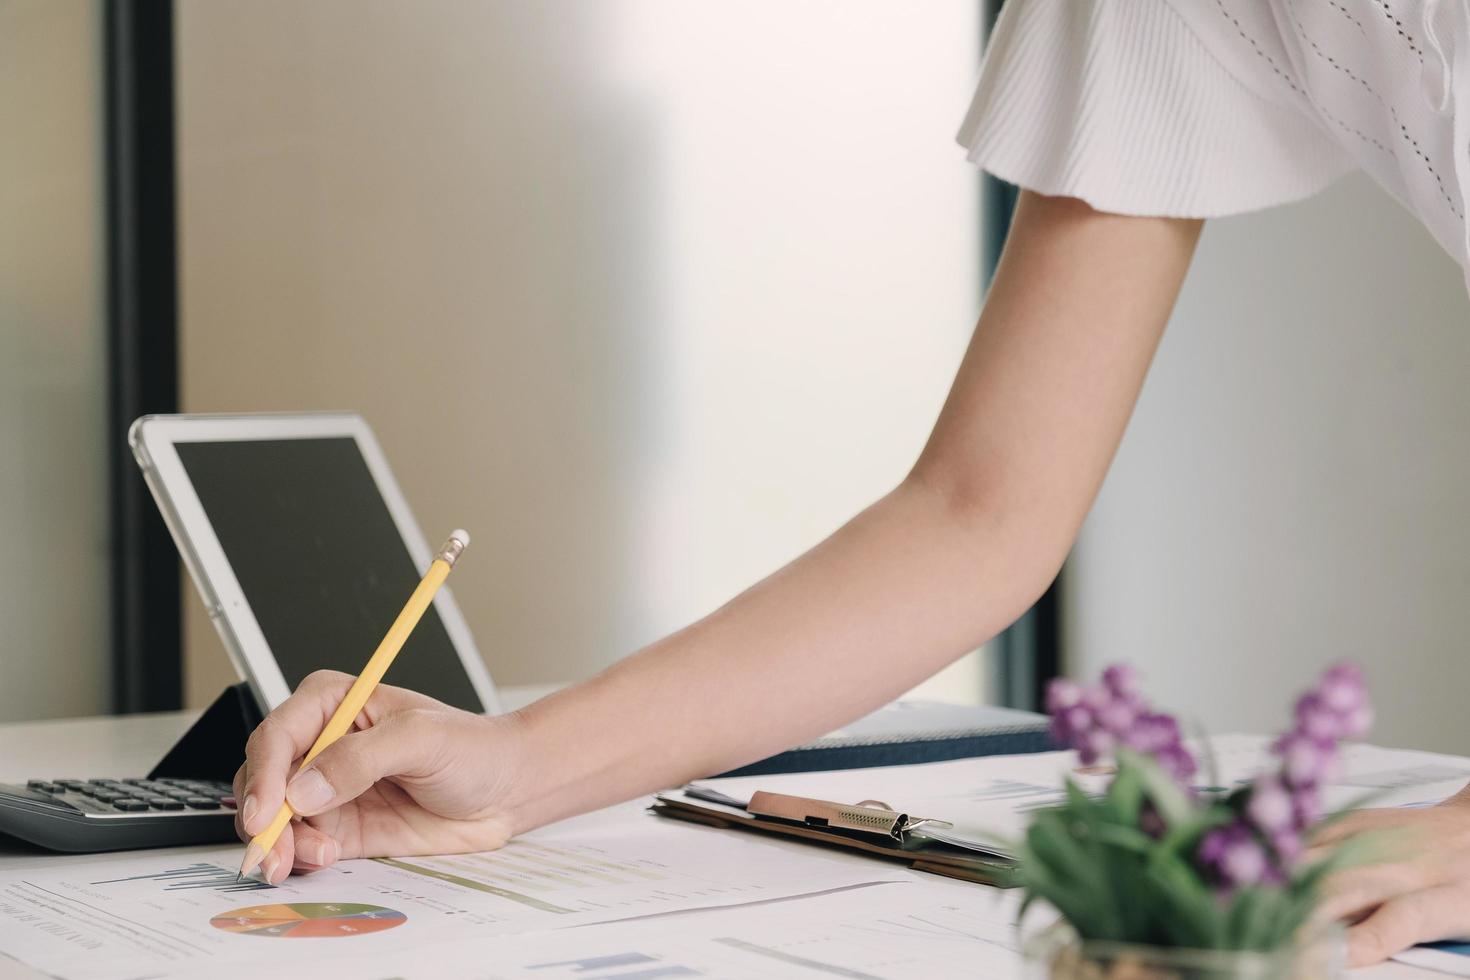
pixel 901 590
pixel 929 572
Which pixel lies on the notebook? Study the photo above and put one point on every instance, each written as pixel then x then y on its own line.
pixel 906 732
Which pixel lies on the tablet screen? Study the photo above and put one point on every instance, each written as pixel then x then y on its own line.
pixel 320 560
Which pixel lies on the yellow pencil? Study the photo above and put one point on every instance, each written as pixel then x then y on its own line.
pixel 367 681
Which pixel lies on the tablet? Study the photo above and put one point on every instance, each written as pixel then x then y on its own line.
pixel 304 550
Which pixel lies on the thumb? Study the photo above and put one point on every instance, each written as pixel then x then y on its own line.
pixel 349 766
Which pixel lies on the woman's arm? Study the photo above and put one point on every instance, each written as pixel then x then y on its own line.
pixel 934 569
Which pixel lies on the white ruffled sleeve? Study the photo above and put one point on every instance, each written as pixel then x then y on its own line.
pixel 1121 104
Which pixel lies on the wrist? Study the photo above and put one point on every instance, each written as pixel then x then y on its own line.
pixel 510 772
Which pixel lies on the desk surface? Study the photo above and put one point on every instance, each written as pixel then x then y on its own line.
pixel 90 747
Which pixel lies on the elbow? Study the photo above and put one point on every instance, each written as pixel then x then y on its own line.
pixel 1012 538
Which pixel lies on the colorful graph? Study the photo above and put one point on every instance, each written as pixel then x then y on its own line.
pixel 198 875
pixel 309 920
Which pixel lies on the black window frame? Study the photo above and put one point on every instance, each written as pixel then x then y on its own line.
pixel 142 344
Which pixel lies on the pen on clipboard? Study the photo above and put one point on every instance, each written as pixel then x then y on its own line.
pixel 868 816
pixel 366 683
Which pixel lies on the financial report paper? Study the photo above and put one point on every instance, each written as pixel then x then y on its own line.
pixel 924 926
pixel 157 914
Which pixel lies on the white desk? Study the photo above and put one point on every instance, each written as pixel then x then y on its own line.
pixel 93 747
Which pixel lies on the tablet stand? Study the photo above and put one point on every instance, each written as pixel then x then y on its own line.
pixel 214 746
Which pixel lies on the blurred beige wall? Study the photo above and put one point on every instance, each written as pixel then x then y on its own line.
pixel 55 657
pixel 650 296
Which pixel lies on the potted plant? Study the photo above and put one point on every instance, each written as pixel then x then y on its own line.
pixel 1156 879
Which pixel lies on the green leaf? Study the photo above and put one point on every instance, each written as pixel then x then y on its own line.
pixel 1192 916
pixel 1125 837
pixel 1125 796
pixel 1171 801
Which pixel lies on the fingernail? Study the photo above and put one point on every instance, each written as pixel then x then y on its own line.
pixel 309 792
pixel 269 866
pixel 310 851
pixel 247 814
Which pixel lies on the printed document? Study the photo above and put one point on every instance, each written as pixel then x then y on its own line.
pixel 157 913
pixel 926 927
pixel 990 800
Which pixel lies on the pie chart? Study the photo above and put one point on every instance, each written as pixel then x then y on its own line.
pixel 309 920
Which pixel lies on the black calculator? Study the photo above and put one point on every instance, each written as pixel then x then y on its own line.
pixel 83 815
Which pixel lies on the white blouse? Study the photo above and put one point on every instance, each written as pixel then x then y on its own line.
pixel 1201 108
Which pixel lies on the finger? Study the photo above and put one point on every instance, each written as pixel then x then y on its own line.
pixel 403 744
pixel 277 863
pixel 1419 917
pixel 284 736
pixel 315 850
pixel 239 786
pixel 289 731
pixel 1355 823
pixel 1349 894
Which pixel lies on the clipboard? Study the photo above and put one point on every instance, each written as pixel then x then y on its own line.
pixel 868 827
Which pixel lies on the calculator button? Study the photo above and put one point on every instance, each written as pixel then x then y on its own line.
pixel 108 796
pixel 135 781
pixel 76 785
pixel 130 806
pixel 43 785
pixel 227 800
pixel 164 803
pixel 202 803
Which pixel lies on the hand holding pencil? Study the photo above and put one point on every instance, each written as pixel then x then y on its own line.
pixel 378 791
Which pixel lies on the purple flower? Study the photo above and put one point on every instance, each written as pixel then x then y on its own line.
pixel 1121 680
pixel 1233 857
pixel 1096 719
pixel 1270 806
pixel 1178 762
pixel 1243 863
pixel 1306 809
pixel 1152 733
pixel 1315 718
pixel 1062 694
pixel 1094 745
pixel 1342 691
pixel 1096 698
pixel 1288 847
pixel 1357 721
pixel 1212 846
pixel 1263 839
pixel 1117 718
pixel 1306 760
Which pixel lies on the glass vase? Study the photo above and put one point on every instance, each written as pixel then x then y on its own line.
pixel 1056 953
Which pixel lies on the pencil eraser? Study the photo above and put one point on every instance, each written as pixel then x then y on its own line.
pixel 461 535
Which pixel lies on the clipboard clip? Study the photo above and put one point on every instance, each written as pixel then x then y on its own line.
pixel 867 816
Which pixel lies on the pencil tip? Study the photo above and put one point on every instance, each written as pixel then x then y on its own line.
pixel 254 854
